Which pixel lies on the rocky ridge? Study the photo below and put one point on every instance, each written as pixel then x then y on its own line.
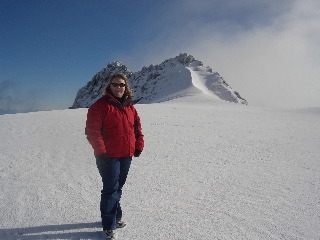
pixel 175 77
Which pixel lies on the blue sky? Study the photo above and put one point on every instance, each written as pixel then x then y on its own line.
pixel 266 50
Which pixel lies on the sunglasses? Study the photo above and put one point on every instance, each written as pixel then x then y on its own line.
pixel 118 84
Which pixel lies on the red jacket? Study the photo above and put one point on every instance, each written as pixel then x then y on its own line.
pixel 114 128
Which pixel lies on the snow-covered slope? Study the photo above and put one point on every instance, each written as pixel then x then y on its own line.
pixel 223 172
pixel 176 77
pixel 93 89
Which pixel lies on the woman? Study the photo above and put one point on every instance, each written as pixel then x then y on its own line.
pixel 114 131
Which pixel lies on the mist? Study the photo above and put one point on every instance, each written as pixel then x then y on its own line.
pixel 276 65
pixel 15 99
pixel 268 51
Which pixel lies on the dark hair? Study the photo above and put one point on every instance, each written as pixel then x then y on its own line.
pixel 127 91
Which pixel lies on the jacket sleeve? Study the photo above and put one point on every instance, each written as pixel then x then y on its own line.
pixel 138 131
pixel 93 128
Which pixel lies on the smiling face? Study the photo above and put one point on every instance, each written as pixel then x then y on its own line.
pixel 117 90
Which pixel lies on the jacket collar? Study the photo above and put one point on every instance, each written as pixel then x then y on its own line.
pixel 114 101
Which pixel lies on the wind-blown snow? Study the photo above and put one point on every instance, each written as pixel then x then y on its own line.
pixel 210 170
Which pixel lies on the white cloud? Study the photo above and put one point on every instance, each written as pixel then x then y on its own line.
pixel 274 65
pixel 267 51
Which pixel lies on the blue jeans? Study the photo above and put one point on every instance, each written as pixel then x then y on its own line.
pixel 114 172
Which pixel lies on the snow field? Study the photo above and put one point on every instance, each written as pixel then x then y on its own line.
pixel 210 170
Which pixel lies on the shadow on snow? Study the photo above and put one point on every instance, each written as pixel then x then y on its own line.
pixel 66 231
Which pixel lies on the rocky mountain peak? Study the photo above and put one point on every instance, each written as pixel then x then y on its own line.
pixel 175 77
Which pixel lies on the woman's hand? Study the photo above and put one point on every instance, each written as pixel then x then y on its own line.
pixel 102 157
pixel 137 153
